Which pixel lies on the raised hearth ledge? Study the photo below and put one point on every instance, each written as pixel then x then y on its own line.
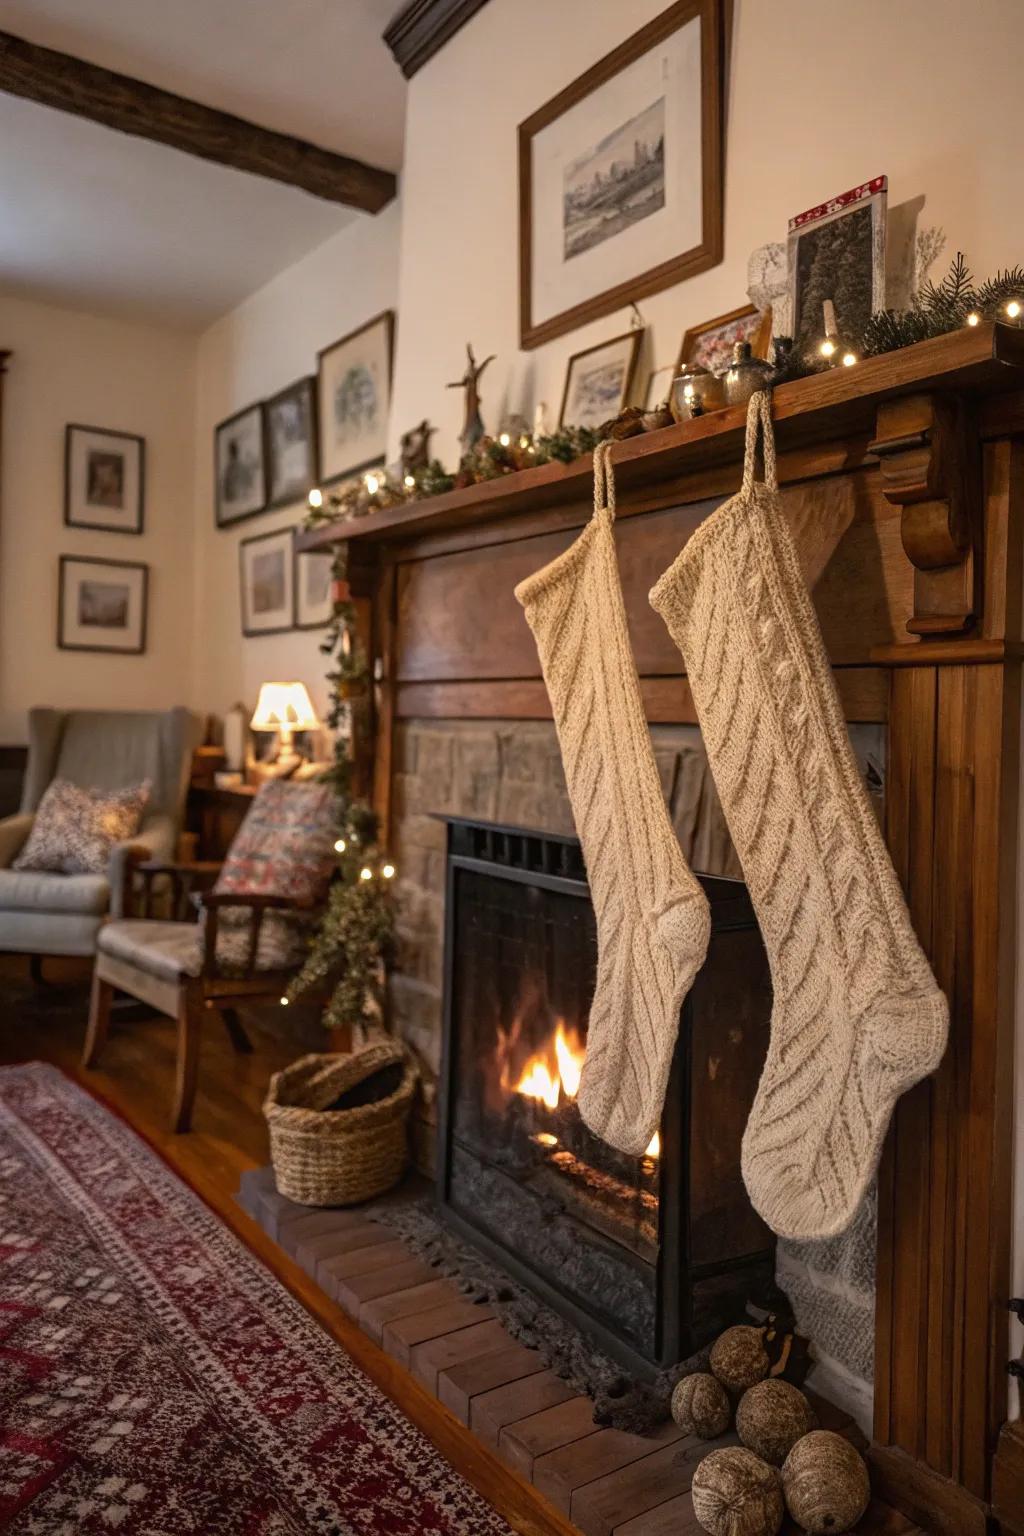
pixel 841 402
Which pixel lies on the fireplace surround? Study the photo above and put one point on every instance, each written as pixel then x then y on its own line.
pixel 650 1255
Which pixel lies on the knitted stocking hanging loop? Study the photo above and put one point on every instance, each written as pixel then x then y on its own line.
pixel 857 1016
pixel 653 922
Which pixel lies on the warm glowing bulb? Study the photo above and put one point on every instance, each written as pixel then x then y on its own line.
pixel 365 873
pixel 372 484
pixel 827 347
pixel 1013 309
pixel 531 449
pixel 388 871
pixel 504 439
pixel 409 482
pixel 284 1002
pixel 524 441
pixel 974 318
pixel 849 358
pixel 340 845
pixel 316 498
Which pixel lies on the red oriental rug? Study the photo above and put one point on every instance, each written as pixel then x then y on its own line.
pixel 156 1379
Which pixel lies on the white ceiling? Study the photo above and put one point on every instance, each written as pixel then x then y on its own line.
pixel 94 218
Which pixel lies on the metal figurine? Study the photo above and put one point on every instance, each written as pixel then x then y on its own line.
pixel 473 427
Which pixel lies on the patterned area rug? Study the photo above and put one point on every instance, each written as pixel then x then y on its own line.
pixel 156 1379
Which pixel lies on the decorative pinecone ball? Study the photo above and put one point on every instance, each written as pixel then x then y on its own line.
pixel 739 1358
pixel 735 1493
pixel 701 1406
pixel 825 1482
pixel 772 1416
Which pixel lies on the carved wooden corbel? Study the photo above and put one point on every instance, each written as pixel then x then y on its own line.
pixel 924 458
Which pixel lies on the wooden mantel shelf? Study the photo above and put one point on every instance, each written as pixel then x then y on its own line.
pixel 840 403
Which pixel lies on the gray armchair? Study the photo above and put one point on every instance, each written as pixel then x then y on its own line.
pixel 51 914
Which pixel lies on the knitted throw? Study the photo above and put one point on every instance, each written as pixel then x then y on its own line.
pixel 858 1017
pixel 653 922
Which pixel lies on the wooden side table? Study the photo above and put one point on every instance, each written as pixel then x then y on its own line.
pixel 215 815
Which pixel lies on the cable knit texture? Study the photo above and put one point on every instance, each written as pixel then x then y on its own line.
pixel 858 1017
pixel 653 922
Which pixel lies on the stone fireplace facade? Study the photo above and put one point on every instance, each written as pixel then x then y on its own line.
pixel 510 772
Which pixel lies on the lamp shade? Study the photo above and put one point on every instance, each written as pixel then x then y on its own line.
pixel 284 707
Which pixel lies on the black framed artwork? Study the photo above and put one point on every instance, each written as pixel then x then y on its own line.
pixel 240 465
pixel 104 479
pixel 291 443
pixel 102 605
pixel 354 394
pixel 267 575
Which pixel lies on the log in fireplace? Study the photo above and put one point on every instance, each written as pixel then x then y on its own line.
pixel 649 1255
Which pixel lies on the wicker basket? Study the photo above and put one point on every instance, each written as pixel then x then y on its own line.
pixel 327 1156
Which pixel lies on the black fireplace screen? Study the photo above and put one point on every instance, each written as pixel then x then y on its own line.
pixel 647 1252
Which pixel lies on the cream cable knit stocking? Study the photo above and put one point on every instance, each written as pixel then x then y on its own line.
pixel 858 1017
pixel 653 922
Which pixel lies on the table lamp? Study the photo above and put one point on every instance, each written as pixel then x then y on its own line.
pixel 285 708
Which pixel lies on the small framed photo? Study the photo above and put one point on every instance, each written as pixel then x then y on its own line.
pixel 620 175
pixel 313 580
pixel 291 428
pixel 710 345
pixel 102 605
pixel 598 380
pixel 354 391
pixel 267 571
pixel 837 254
pixel 104 479
pixel 240 466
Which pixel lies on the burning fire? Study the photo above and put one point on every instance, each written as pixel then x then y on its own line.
pixel 552 1074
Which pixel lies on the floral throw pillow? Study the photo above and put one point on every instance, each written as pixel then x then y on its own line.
pixel 285 845
pixel 75 829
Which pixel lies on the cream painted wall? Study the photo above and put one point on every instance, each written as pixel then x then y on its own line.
pixel 256 350
pixel 823 93
pixel 72 367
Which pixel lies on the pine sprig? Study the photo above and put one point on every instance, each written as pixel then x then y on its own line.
pixel 992 297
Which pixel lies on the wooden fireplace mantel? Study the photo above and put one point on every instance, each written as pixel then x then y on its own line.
pixel 903 480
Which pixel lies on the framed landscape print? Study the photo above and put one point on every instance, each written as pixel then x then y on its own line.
pixel 313 580
pixel 104 479
pixel 837 253
pixel 597 381
pixel 291 428
pixel 267 575
pixel 620 176
pixel 101 605
pixel 354 379
pixel 240 473
pixel 710 345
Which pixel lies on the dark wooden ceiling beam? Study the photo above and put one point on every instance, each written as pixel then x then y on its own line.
pixel 422 27
pixel 132 106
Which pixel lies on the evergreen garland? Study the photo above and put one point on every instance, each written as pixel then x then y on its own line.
pixel 353 941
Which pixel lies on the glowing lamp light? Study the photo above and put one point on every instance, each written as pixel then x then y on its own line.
pixel 365 873
pixel 315 498
pixel 372 484
pixel 524 441
pixel 340 845
pixel 409 482
pixel 1013 309
pixel 849 358
pixel 974 318
pixel 287 708
pixel 284 1002
pixel 504 440
pixel 827 347
pixel 388 871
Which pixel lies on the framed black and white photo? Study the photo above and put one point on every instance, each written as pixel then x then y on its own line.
pixel 354 392
pixel 104 479
pixel 620 176
pixel 837 256
pixel 240 465
pixel 291 428
pixel 101 605
pixel 313 582
pixel 597 381
pixel 267 571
